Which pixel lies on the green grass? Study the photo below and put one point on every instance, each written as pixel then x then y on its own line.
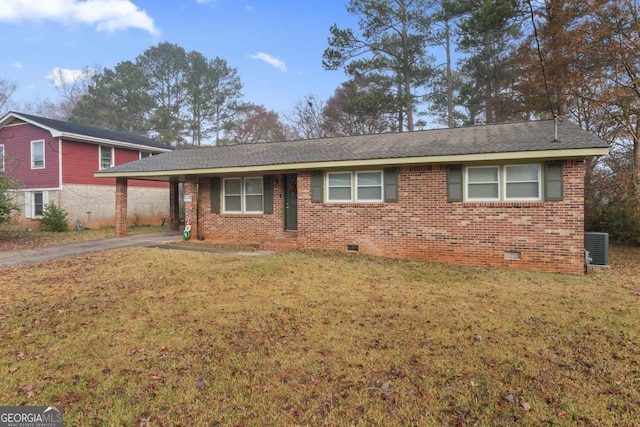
pixel 317 338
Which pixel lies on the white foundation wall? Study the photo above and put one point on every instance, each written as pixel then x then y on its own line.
pixel 95 205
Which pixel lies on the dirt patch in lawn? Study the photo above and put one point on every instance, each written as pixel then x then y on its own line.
pixel 139 336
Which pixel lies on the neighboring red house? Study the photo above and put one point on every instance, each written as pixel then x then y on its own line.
pixel 54 161
pixel 503 195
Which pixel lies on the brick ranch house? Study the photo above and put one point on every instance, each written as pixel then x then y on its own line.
pixel 503 195
pixel 54 161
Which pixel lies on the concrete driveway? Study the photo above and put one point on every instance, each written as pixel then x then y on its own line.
pixel 33 256
pixel 161 240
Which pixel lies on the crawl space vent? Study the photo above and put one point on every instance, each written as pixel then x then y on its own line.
pixel 352 248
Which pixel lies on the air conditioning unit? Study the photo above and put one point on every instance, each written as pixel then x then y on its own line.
pixel 597 247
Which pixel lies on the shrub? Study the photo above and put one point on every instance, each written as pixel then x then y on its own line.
pixel 54 218
pixel 7 204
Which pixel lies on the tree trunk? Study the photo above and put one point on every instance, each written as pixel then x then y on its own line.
pixel 447 32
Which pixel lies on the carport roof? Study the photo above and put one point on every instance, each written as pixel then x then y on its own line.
pixel 518 140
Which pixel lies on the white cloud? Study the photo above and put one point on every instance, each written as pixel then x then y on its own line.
pixel 61 76
pixel 274 62
pixel 106 15
pixel 17 64
pixel 248 8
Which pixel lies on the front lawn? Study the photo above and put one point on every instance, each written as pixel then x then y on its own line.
pixel 163 337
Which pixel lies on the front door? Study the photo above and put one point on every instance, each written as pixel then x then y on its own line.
pixel 291 202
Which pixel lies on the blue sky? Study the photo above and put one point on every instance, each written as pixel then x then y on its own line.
pixel 276 45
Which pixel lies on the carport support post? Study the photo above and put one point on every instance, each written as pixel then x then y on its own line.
pixel 121 207
pixel 174 205
pixel 191 203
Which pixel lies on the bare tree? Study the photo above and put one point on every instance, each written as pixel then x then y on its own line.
pixel 307 117
pixel 7 89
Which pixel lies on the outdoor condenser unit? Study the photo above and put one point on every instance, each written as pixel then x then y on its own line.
pixel 597 245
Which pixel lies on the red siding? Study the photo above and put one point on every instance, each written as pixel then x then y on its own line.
pixel 81 160
pixel 17 150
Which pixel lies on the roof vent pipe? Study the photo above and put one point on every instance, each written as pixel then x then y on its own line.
pixel 555 128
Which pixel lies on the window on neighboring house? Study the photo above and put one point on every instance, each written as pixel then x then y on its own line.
pixel 106 157
pixel 37 154
pixel 368 186
pixel 522 182
pixel 243 195
pixel 1 158
pixel 145 154
pixel 38 203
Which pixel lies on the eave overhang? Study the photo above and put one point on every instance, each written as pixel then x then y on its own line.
pixel 580 153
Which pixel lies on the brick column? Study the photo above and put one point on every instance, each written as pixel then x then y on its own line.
pixel 174 205
pixel 191 206
pixel 121 207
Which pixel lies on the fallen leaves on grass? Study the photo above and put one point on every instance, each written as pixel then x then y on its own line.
pixel 139 337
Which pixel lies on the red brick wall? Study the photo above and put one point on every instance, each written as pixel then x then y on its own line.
pixel 249 228
pixel 423 225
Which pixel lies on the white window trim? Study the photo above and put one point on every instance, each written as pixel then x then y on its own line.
pixel 354 187
pixel 482 199
pixel 504 183
pixel 144 151
pixel 30 202
pixel 2 161
pixel 33 166
pixel 112 161
pixel 327 199
pixel 243 194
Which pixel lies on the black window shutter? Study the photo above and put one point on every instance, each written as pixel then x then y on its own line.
pixel 391 185
pixel 454 184
pixel 316 187
pixel 267 185
pixel 215 195
pixel 554 181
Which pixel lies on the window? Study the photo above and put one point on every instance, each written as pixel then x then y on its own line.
pixel 37 154
pixel 253 195
pixel 38 203
pixel 339 185
pixel 243 195
pixel 509 182
pixel 145 154
pixel 368 186
pixel 1 158
pixel 522 182
pixel 483 183
pixel 106 157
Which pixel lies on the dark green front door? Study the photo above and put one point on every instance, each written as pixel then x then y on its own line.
pixel 290 202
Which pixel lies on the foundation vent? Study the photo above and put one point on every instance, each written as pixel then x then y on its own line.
pixel 352 248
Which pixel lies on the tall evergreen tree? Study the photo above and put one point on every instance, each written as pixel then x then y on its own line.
pixel 165 68
pixel 391 44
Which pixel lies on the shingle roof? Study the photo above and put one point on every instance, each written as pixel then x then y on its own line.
pixel 90 131
pixel 497 138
